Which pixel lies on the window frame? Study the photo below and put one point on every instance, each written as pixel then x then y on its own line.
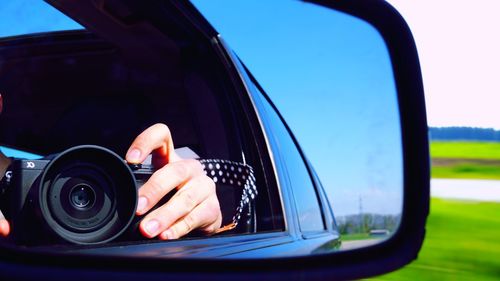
pixel 273 122
pixel 287 199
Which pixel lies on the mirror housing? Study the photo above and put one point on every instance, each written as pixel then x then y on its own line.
pixel 394 253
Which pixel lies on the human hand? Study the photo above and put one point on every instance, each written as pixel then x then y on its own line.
pixel 193 206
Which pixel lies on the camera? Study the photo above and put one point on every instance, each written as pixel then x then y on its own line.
pixel 84 195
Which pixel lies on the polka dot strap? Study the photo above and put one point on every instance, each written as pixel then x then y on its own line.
pixel 235 174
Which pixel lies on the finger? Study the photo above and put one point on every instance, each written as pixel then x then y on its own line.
pixel 164 180
pixel 156 137
pixel 182 203
pixel 4 226
pixel 206 216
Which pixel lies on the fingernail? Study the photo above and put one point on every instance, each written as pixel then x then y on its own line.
pixel 141 204
pixel 134 155
pixel 152 226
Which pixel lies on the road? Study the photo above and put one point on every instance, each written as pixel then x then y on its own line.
pixel 356 244
pixel 465 189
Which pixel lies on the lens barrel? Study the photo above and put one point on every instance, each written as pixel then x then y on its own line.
pixel 87 195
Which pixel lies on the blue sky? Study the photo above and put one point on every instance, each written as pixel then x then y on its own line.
pixel 328 73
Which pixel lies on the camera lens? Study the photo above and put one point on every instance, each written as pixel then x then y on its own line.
pixel 87 195
pixel 82 196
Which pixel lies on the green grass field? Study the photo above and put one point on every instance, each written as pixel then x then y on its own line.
pixel 463 238
pixel 476 160
pixel 462 243
pixel 356 236
pixel 467 150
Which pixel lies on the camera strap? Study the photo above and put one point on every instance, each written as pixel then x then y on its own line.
pixel 235 174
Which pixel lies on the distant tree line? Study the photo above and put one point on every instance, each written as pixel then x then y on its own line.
pixel 464 133
pixel 364 223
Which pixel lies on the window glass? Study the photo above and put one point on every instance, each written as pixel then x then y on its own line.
pixel 27 16
pixel 11 152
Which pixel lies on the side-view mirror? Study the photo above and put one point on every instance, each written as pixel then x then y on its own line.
pixel 321 102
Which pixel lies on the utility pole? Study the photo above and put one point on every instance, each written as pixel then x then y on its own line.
pixel 361 223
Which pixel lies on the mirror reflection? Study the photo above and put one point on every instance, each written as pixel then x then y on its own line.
pixel 127 132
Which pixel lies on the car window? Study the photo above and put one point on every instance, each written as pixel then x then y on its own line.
pixel 35 16
pixel 71 87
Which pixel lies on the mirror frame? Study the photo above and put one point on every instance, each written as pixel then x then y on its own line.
pixel 389 255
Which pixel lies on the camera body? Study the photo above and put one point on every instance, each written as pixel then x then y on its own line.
pixel 84 195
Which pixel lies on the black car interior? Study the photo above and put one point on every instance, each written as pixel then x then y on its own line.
pixel 89 94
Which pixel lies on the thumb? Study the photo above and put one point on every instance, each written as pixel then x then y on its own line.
pixel 4 226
